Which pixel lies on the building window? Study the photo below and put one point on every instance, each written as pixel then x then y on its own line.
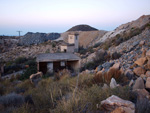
pixel 62 63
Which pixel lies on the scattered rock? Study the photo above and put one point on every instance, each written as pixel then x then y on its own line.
pixel 148 74
pixel 107 65
pixel 142 43
pixel 139 84
pixel 139 70
pixel 113 83
pixel 141 93
pixel 144 53
pixel 114 102
pixel 148 53
pixel 35 78
pixel 105 87
pixel 129 74
pixel 131 83
pixel 147 83
pixel 141 61
pixel 116 66
pixel 122 110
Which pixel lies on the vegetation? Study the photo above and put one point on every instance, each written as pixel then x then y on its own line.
pixel 58 95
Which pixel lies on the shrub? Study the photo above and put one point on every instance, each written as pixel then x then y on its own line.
pixel 12 99
pixel 29 71
pixel 86 100
pixel 20 60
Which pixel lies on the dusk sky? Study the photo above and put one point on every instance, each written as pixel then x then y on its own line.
pixel 59 15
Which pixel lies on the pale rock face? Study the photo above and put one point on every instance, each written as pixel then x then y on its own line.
pixel 113 83
pixel 114 102
pixel 139 84
pixel 147 83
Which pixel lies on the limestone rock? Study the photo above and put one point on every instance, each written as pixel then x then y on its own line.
pixel 139 70
pixel 139 84
pixel 35 78
pixel 141 61
pixel 113 83
pixel 147 83
pixel 114 102
pixel 131 83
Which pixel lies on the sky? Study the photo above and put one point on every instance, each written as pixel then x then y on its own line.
pixel 60 15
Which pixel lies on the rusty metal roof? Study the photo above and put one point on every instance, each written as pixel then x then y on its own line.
pixel 48 57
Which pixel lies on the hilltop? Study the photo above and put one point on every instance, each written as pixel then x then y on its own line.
pixel 82 28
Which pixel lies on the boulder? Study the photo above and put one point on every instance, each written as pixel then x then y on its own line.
pixel 35 78
pixel 148 53
pixel 131 83
pixel 123 110
pixel 148 74
pixel 139 70
pixel 148 64
pixel 114 102
pixel 143 53
pixel 147 83
pixel 139 84
pixel 107 65
pixel 105 87
pixel 116 66
pixel 142 42
pixel 141 93
pixel 113 83
pixel 99 68
pixel 141 61
pixel 129 74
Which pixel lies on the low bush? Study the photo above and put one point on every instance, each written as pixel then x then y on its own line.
pixel 20 60
pixel 29 71
pixel 12 100
pixel 88 100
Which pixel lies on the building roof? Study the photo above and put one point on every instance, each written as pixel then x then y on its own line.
pixel 47 57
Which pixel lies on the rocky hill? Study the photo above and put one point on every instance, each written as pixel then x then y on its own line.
pixel 126 28
pixel 37 38
pixel 83 28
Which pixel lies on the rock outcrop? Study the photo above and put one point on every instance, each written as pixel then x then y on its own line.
pixel 37 38
pixel 114 103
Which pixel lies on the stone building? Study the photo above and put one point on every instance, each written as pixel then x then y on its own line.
pixel 53 62
pixel 72 45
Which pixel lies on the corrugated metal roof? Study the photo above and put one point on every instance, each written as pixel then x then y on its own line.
pixel 46 57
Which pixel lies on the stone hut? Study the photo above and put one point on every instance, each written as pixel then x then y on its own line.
pixel 53 62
